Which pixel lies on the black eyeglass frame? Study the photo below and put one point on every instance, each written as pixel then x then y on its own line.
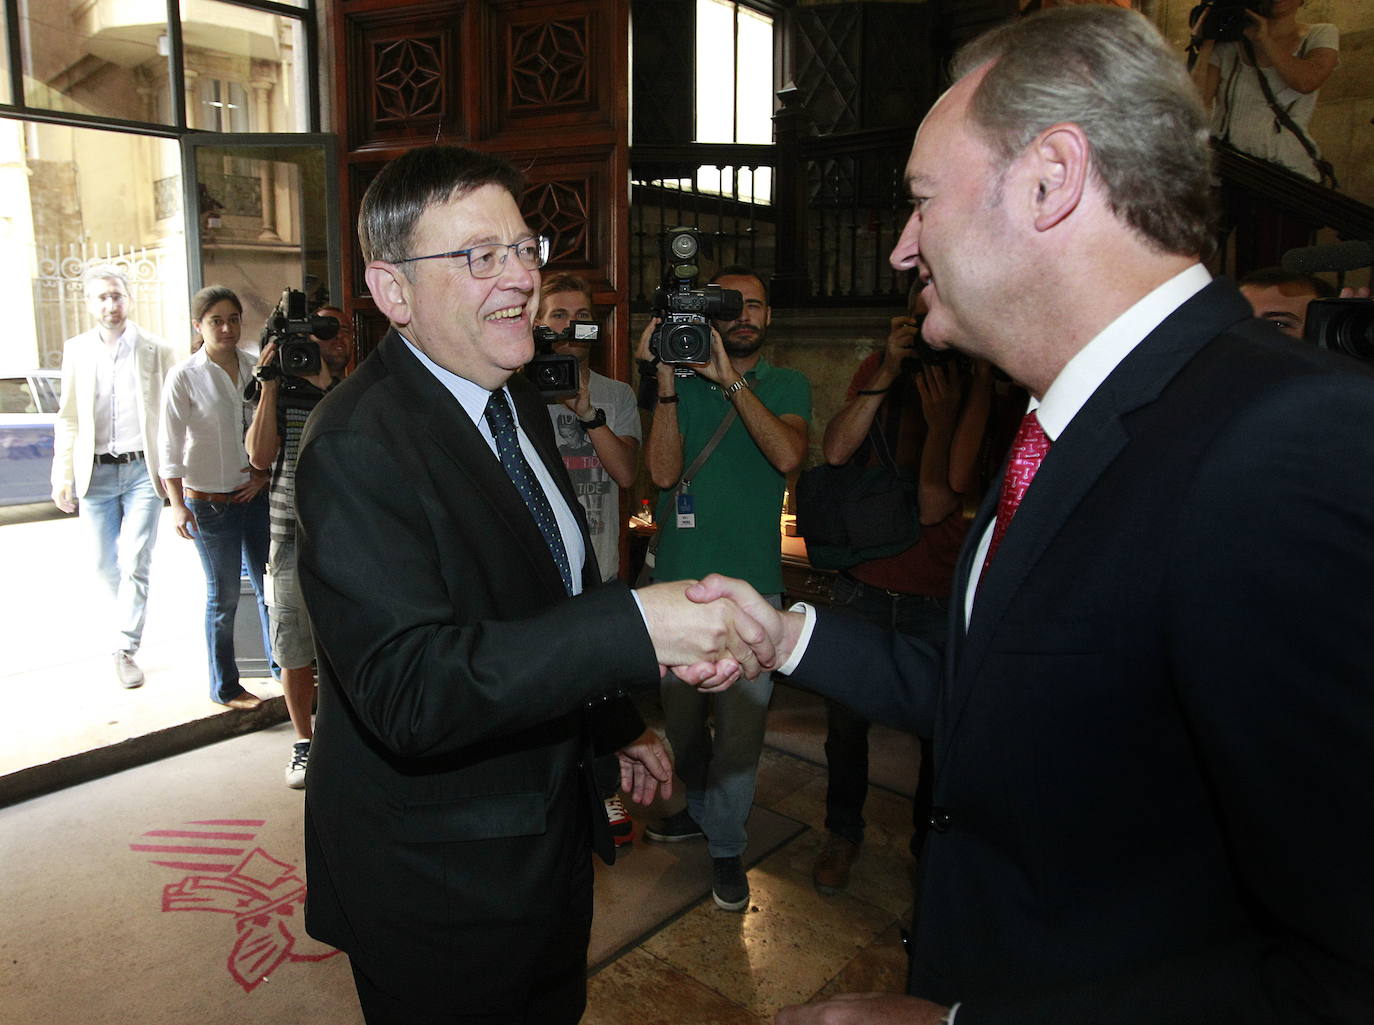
pixel 542 250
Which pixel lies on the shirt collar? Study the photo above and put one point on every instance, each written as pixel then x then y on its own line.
pixel 1093 363
pixel 470 395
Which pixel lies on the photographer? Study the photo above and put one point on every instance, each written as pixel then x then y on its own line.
pixel 598 428
pixel 932 419
pixel 273 440
pixel 1292 59
pixel 727 521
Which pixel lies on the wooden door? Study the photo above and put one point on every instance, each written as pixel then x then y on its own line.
pixel 540 82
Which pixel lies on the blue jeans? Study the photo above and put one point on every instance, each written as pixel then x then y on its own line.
pixel 231 537
pixel 720 763
pixel 122 506
pixel 846 738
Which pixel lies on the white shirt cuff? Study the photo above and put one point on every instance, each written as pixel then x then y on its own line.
pixel 802 641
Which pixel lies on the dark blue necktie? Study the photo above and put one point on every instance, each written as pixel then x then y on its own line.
pixel 502 425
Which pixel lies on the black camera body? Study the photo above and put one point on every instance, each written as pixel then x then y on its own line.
pixel 291 327
pixel 555 374
pixel 1342 325
pixel 683 336
pixel 1226 19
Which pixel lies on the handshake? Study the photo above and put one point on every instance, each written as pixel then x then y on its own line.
pixel 710 632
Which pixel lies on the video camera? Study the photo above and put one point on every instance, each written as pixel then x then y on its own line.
pixel 1226 19
pixel 683 338
pixel 555 373
pixel 1340 325
pixel 291 327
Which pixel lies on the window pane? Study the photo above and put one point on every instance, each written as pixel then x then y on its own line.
pixel 88 197
pixel 715 71
pixel 754 97
pixel 106 57
pixel 5 96
pixel 245 70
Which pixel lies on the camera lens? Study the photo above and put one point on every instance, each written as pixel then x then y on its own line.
pixel 1353 334
pixel 683 246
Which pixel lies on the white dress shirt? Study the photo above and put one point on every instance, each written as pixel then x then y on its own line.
pixel 473 400
pixel 117 426
pixel 204 418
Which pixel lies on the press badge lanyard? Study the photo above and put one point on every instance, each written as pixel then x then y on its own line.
pixel 686 516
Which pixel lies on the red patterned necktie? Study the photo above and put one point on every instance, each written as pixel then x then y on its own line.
pixel 1027 450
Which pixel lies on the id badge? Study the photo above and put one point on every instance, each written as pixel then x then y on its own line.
pixel 686 512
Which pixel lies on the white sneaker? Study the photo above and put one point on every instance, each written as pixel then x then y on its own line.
pixel 295 770
pixel 127 671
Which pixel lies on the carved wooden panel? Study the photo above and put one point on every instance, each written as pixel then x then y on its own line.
pixel 360 176
pixel 404 68
pixel 569 199
pixel 550 70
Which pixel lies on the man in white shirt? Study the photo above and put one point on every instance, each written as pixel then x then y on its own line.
pixel 105 452
pixel 1153 724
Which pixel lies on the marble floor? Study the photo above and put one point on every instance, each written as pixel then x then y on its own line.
pixel 793 944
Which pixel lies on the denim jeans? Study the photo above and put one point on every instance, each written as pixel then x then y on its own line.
pixel 846 739
pixel 231 538
pixel 719 763
pixel 122 506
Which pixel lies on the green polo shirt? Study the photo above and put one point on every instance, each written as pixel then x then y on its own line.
pixel 737 495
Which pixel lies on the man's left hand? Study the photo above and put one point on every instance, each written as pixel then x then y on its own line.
pixel 864 1009
pixel 645 768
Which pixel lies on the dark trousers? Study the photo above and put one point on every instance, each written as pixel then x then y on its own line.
pixel 846 739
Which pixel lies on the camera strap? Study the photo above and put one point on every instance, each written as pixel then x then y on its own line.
pixel 1325 171
pixel 685 481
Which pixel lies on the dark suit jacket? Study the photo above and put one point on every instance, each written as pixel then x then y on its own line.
pixel 462 693
pixel 1154 742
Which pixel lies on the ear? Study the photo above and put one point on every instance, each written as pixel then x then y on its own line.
pixel 767 315
pixel 1061 159
pixel 390 290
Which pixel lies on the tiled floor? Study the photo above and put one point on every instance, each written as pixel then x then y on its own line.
pixel 793 944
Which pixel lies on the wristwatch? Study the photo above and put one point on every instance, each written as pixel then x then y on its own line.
pixel 598 420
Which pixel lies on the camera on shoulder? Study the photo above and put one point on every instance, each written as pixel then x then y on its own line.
pixel 292 328
pixel 555 374
pixel 683 336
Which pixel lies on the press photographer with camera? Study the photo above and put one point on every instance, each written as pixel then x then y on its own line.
pixel 720 516
pixel 285 400
pixel 598 428
pixel 1258 69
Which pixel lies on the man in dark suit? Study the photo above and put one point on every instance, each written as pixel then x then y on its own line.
pixel 1154 723
pixel 471 663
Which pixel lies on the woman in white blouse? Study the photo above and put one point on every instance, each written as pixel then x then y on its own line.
pixel 1295 59
pixel 217 501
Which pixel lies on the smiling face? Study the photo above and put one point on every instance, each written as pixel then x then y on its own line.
pixel 219 328
pixel 478 328
pixel 959 236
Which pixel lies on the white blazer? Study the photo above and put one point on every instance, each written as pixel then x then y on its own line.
pixel 74 431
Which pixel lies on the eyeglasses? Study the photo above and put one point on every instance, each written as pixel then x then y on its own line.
pixel 486 261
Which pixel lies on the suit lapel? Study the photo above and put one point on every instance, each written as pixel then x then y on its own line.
pixel 1088 445
pixel 459 440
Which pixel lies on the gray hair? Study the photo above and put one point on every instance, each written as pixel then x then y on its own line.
pixel 416 180
pixel 1107 70
pixel 103 272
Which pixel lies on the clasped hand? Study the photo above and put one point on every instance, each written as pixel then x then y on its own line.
pixel 711 632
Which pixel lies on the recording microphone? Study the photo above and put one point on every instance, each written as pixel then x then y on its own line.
pixel 1340 256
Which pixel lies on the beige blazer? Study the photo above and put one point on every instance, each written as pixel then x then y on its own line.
pixel 74 431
